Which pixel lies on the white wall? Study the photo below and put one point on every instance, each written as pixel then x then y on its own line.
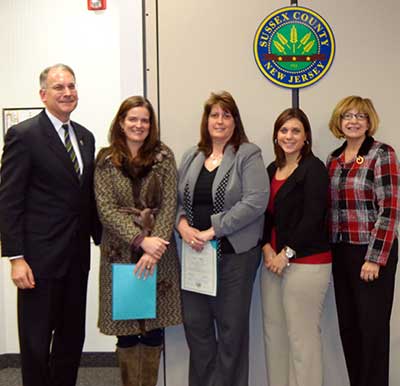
pixel 105 50
pixel 207 46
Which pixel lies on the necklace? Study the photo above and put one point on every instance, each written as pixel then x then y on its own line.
pixel 215 159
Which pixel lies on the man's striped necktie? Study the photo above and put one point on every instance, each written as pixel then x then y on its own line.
pixel 70 149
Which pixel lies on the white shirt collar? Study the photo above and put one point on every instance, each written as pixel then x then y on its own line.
pixel 55 121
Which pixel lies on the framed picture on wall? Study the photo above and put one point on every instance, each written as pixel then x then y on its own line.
pixel 12 116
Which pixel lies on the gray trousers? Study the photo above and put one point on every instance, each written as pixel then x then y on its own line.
pixel 292 306
pixel 217 328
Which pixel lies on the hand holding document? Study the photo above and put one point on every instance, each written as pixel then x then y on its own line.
pixel 199 269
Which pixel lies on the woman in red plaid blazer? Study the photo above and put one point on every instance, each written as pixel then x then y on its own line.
pixel 364 216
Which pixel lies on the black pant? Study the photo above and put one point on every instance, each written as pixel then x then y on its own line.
pixel 364 310
pixel 52 315
pixel 217 328
pixel 153 338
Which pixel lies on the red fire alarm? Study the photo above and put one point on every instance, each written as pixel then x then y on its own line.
pixel 96 5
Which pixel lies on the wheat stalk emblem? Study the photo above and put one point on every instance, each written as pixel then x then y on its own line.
pixel 293 37
pixel 304 39
pixel 279 47
pixel 283 40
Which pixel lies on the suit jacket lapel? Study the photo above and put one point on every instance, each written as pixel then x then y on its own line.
pixel 287 187
pixel 224 167
pixel 195 169
pixel 55 144
pixel 198 163
pixel 83 148
pixel 296 177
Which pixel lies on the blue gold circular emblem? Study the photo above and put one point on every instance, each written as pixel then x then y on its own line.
pixel 294 47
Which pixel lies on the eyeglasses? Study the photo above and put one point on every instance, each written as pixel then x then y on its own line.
pixel 358 116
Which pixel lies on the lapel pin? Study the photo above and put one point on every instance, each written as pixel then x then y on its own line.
pixel 359 160
pixel 81 142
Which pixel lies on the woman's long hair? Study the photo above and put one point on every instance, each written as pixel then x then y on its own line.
pixel 283 117
pixel 225 100
pixel 118 149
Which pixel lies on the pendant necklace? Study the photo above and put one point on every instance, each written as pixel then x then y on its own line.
pixel 215 159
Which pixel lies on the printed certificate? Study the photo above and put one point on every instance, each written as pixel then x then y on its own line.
pixel 199 269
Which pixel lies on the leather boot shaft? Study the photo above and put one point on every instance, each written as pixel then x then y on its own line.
pixel 129 360
pixel 150 365
pixel 139 365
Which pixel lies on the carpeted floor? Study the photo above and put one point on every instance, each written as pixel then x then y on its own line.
pixel 88 376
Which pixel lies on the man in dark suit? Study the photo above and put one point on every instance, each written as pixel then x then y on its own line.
pixel 47 215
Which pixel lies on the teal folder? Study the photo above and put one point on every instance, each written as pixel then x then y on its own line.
pixel 132 298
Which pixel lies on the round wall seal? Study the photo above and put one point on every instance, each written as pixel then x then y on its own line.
pixel 294 47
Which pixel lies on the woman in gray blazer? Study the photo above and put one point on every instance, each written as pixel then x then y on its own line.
pixel 222 194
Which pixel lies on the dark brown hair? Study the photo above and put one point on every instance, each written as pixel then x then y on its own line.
pixel 118 149
pixel 225 100
pixel 285 116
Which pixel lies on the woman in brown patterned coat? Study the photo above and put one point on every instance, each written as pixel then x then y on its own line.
pixel 135 187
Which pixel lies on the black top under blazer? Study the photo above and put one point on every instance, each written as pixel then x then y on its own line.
pixel 300 209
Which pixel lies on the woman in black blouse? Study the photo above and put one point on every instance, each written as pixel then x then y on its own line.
pixel 223 191
pixel 297 259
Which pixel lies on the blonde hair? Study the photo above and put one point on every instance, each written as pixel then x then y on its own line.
pixel 362 105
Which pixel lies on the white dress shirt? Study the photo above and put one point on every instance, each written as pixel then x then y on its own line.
pixel 57 124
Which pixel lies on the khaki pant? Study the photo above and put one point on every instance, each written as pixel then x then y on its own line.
pixel 292 305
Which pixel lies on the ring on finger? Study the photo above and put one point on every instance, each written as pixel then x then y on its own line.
pixel 148 267
pixel 192 242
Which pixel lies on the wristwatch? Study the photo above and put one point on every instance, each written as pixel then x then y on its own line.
pixel 289 252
